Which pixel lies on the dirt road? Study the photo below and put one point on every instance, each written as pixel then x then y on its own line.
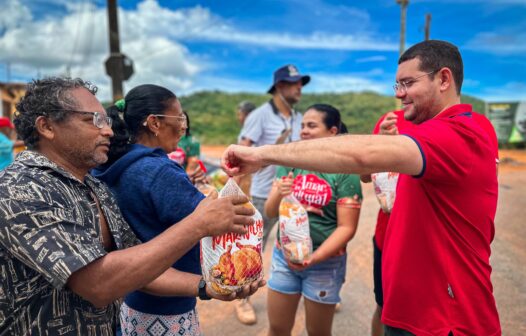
pixel 508 259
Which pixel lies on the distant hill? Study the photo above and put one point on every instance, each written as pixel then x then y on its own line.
pixel 213 119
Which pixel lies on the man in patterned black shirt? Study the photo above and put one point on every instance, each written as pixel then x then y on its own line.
pixel 66 253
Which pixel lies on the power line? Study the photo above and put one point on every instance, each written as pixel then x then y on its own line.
pixel 77 38
pixel 89 40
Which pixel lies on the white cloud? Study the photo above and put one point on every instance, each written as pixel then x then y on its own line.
pixel 470 83
pixel 50 43
pixel 316 40
pixel 489 2
pixel 508 43
pixel 323 82
pixel 199 23
pixel 511 91
pixel 324 12
pixel 378 58
pixel 232 85
pixel 374 80
pixel 76 40
pixel 162 56
pixel 47 47
pixel 14 14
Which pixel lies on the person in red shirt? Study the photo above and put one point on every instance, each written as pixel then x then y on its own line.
pixel 486 125
pixel 390 123
pixel 435 258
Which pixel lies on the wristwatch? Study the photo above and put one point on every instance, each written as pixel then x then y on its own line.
pixel 202 290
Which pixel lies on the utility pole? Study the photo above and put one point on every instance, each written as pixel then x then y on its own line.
pixel 114 69
pixel 8 71
pixel 118 66
pixel 403 7
pixel 427 27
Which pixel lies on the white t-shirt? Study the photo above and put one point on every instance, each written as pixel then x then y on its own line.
pixel 263 126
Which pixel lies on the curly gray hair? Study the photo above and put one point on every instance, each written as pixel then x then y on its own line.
pixel 49 97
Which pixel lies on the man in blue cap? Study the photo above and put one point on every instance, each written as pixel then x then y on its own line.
pixel 274 122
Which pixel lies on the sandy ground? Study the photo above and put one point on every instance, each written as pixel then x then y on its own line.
pixel 508 258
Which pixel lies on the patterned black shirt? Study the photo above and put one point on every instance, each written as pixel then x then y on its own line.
pixel 49 228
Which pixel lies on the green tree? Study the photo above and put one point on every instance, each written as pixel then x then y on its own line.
pixel 213 113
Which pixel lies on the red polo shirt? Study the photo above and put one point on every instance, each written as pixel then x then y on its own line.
pixel 486 125
pixel 383 218
pixel 435 262
pixel 402 124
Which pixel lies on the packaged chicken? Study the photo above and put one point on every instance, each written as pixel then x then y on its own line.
pixel 296 252
pixel 205 188
pixel 232 260
pixel 294 232
pixel 202 185
pixel 385 189
pixel 218 179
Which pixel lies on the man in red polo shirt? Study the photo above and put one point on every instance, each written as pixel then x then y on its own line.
pixel 393 123
pixel 435 261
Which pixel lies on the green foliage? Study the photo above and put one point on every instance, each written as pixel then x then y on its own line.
pixel 360 111
pixel 478 105
pixel 213 113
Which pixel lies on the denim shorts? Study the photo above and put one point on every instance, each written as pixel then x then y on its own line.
pixel 320 283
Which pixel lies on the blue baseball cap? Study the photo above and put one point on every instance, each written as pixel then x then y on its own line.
pixel 288 73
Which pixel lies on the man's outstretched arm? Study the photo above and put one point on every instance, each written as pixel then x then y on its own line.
pixel 354 154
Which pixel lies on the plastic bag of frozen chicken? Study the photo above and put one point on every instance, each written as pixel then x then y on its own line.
pixel 233 260
pixel 294 232
pixel 385 189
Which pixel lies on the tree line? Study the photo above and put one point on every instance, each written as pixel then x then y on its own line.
pixel 213 113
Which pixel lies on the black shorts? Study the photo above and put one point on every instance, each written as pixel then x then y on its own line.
pixel 377 275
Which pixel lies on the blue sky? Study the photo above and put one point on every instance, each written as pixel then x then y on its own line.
pixel 235 45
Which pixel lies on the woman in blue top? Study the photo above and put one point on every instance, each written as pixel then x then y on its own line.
pixel 154 192
pixel 333 204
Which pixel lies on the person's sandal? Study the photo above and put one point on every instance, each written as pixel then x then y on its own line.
pixel 245 312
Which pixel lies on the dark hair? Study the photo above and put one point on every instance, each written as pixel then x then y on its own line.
pixel 331 117
pixel 121 137
pixel 49 97
pixel 246 107
pixel 435 55
pixel 139 103
pixel 187 133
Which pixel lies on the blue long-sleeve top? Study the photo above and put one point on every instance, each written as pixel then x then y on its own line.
pixel 154 193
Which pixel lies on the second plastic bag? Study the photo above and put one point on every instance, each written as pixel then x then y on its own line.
pixel 294 232
pixel 385 189
pixel 231 261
